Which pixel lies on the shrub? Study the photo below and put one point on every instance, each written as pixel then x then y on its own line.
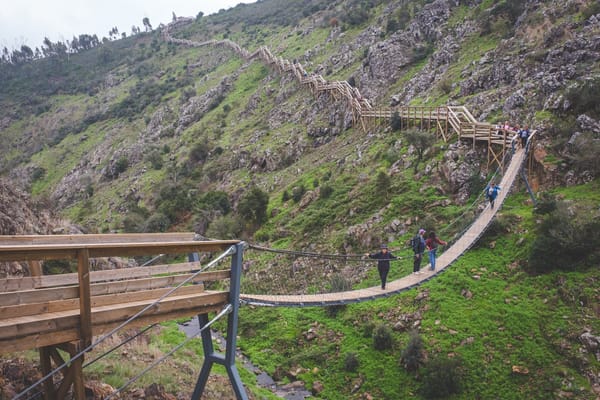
pixel 215 201
pixel 584 153
pixel 225 227
pixel 412 356
pixel 382 337
pixel 121 165
pixel 338 284
pixel 326 191
pixel 285 196
pixel 442 378
pixel 351 362
pixel 38 173
pixel 585 99
pixel 199 152
pixel 155 159
pixel 157 223
pixel 396 121
pixel 253 206
pixel 566 237
pixel 298 192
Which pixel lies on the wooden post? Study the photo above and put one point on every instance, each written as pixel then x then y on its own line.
pixel 35 268
pixel 85 303
pixel 46 366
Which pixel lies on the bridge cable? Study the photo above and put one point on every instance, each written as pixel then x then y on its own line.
pixel 228 252
pixel 226 310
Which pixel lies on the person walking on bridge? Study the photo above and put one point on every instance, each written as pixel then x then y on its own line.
pixel 383 264
pixel 431 244
pixel 418 247
pixel 491 192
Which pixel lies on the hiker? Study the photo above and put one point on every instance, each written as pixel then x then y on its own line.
pixel 418 246
pixel 491 192
pixel 383 264
pixel 431 245
pixel 524 135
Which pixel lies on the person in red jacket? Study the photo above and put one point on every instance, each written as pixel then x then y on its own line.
pixel 431 245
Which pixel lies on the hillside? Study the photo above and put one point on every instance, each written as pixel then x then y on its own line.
pixel 143 134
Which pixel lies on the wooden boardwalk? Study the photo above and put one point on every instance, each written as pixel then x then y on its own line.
pixel 468 239
pixel 446 121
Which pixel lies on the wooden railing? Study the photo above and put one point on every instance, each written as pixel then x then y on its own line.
pixel 66 311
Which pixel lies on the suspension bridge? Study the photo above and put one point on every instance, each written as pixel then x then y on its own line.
pixel 67 311
pixel 76 312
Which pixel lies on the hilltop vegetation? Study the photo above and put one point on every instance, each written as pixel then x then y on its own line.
pixel 139 134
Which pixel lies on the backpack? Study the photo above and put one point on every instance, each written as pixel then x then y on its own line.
pixel 415 243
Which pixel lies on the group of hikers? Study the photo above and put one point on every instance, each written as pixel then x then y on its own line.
pixel 420 244
pixel 522 133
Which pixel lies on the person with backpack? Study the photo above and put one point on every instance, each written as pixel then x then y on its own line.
pixel 383 264
pixel 431 244
pixel 418 246
pixel 491 192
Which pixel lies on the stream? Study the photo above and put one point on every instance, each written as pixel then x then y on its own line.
pixel 287 392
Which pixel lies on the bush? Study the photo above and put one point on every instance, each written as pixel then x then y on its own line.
pixel 121 165
pixel 226 227
pixel 215 201
pixel 298 192
pixel 382 337
pixel 566 237
pixel 396 121
pixel 442 378
pixel 351 362
pixel 338 284
pixel 326 191
pixel 253 206
pixel 155 159
pixel 585 98
pixel 412 356
pixel 157 223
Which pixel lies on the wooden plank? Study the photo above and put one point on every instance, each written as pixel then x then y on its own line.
pixel 69 292
pixel 42 307
pixel 12 284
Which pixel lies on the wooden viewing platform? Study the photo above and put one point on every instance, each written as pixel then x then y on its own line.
pixel 66 311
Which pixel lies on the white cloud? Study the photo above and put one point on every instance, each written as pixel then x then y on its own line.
pixel 29 21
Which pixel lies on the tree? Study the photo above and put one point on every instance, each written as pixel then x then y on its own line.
pixel 147 24
pixel 421 141
pixel 253 206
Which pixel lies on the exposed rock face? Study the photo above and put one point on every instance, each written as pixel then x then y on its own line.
pixel 460 164
pixel 18 216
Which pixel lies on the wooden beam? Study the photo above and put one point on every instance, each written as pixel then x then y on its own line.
pixel 85 301
pixel 21 252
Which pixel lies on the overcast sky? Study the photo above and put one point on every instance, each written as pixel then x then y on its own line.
pixel 29 21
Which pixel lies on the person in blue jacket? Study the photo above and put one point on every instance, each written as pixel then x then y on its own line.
pixel 383 264
pixel 491 192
